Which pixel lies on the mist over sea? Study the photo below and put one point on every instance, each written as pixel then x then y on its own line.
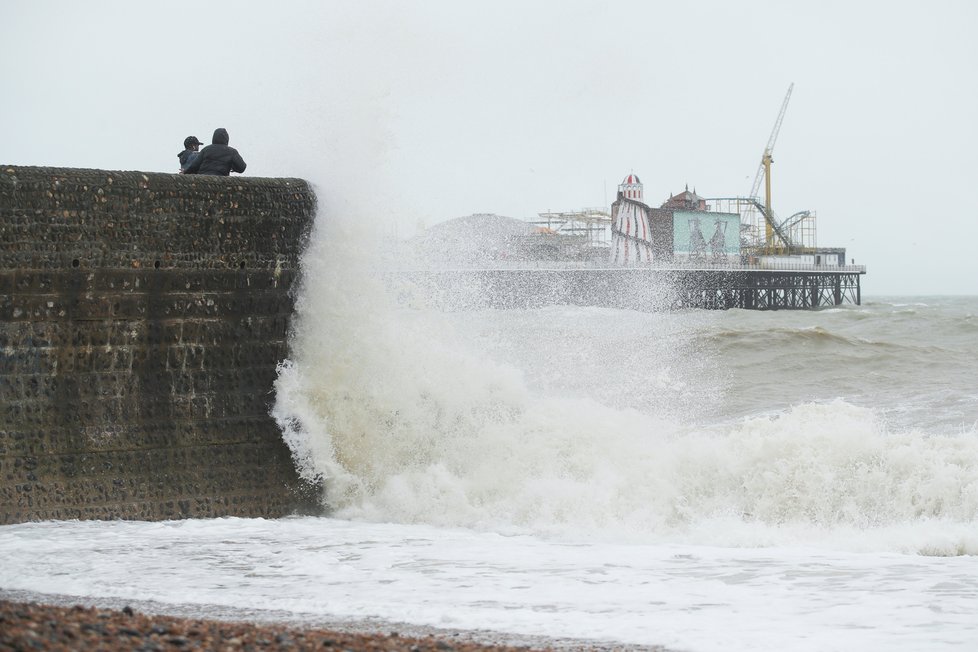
pixel 727 480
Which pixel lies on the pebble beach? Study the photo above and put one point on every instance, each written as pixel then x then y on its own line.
pixel 33 626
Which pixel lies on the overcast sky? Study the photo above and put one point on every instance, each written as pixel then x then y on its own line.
pixel 425 111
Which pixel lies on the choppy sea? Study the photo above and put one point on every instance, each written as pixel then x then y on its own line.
pixel 699 480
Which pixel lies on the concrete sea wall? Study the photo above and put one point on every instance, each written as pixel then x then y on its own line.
pixel 142 317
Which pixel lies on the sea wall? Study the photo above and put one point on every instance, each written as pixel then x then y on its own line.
pixel 142 316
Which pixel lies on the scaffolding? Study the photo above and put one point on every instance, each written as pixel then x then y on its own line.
pixel 594 224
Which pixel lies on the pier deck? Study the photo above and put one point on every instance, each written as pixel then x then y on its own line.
pixel 672 287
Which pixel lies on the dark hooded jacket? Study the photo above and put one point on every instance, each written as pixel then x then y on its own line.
pixel 217 158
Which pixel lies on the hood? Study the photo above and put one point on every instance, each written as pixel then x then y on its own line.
pixel 220 137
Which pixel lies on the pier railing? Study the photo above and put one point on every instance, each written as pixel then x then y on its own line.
pixel 686 265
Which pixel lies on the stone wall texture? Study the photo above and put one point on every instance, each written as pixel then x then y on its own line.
pixel 142 317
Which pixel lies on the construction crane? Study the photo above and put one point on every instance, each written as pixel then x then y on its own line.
pixel 771 227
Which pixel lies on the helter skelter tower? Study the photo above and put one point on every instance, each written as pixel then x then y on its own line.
pixel 631 229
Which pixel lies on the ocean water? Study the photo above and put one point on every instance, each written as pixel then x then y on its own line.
pixel 699 480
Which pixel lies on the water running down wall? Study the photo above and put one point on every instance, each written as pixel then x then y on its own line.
pixel 142 317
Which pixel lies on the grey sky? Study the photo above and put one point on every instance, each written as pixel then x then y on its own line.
pixel 403 112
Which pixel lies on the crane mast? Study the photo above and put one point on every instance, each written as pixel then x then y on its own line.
pixel 765 169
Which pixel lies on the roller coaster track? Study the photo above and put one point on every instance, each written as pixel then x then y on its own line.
pixel 779 229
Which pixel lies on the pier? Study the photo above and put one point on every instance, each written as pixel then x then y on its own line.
pixel 648 287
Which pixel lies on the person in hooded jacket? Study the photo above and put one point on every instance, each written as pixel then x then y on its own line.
pixel 217 158
pixel 189 153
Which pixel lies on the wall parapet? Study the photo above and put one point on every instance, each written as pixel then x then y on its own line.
pixel 142 318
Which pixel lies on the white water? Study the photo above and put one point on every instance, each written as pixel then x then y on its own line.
pixel 609 425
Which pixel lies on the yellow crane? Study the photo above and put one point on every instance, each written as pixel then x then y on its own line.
pixel 771 227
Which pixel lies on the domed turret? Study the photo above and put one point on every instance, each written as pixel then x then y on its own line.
pixel 631 188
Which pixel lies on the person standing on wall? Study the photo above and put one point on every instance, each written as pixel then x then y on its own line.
pixel 217 158
pixel 189 153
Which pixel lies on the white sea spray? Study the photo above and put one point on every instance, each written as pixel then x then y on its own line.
pixel 611 425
